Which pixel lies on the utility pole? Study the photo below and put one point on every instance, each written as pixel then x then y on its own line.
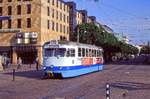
pixel 148 44
pixel 78 37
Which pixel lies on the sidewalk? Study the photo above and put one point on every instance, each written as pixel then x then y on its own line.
pixel 24 67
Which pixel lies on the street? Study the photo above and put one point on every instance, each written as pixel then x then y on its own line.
pixel 126 81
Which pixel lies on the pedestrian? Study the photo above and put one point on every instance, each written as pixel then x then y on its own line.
pixel 19 62
pixel 1 66
pixel 37 63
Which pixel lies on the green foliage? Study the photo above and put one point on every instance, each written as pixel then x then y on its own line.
pixel 145 50
pixel 91 34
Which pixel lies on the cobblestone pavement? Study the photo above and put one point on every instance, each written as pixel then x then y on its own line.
pixel 127 82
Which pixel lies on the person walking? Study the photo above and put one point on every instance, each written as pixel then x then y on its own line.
pixel 37 63
pixel 19 62
pixel 1 66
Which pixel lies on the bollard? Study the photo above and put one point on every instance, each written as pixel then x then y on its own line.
pixel 107 91
pixel 13 74
pixel 37 66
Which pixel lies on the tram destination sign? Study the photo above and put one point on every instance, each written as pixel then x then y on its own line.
pixel 52 46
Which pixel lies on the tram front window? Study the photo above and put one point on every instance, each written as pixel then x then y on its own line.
pixel 60 52
pixel 49 52
pixel 55 52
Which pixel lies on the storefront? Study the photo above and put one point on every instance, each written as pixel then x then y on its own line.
pixel 27 53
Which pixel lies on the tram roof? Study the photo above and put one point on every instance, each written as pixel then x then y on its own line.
pixel 75 44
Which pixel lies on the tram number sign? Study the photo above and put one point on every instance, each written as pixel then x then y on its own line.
pixel 53 42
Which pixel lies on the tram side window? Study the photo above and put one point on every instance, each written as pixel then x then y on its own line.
pixel 87 53
pixel 79 52
pixel 93 53
pixel 90 52
pixel 70 53
pixel 98 53
pixel 83 52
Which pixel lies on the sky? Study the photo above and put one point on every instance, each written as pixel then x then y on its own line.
pixel 130 17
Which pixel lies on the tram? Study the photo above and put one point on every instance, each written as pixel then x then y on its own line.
pixel 70 59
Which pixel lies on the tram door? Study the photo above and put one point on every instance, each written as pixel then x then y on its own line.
pixel 28 56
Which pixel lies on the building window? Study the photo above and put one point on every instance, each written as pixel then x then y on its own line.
pixel 60 16
pixel 60 27
pixel 19 9
pixel 64 29
pixel 53 25
pixel 9 24
pixel 48 11
pixel 9 0
pixel 64 18
pixel 60 5
pixel 53 2
pixel 1 22
pixel 9 10
pixel 67 19
pixel 56 14
pixel 28 22
pixel 1 11
pixel 19 23
pixel 57 3
pixel 48 24
pixel 1 1
pixel 67 30
pixel 57 27
pixel 28 8
pixel 64 7
pixel 52 13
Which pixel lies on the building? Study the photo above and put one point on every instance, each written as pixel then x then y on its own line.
pixel 91 19
pixel 76 17
pixel 122 38
pixel 48 19
pixel 107 29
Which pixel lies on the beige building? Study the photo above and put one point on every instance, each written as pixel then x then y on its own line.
pixel 79 17
pixel 19 19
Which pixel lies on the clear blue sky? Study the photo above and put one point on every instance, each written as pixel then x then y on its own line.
pixel 130 17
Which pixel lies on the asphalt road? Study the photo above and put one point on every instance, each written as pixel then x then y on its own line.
pixel 127 82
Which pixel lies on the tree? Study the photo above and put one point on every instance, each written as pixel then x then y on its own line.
pixel 91 34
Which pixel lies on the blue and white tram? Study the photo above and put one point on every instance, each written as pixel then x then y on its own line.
pixel 70 59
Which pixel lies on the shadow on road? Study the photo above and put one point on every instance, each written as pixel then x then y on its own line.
pixel 28 74
pixel 131 86
pixel 140 60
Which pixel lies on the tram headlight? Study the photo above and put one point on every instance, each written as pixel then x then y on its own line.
pixel 44 67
